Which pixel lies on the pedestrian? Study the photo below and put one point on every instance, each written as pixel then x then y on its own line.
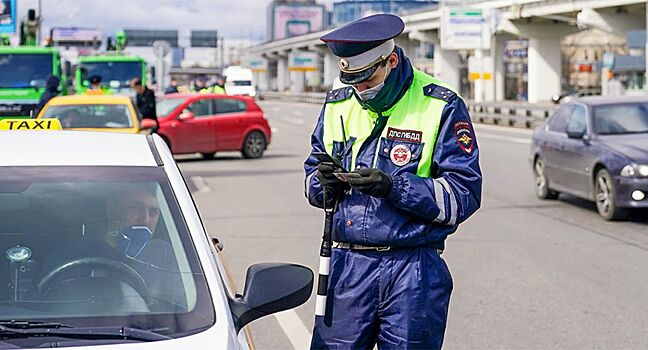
pixel 409 142
pixel 172 88
pixel 145 99
pixel 51 90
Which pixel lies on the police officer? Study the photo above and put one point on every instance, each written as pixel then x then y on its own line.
pixel 200 85
pixel 412 150
pixel 95 86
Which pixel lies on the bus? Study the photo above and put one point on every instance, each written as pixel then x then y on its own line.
pixel 23 73
pixel 114 70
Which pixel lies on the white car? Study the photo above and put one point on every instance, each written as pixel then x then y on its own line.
pixel 239 81
pixel 104 249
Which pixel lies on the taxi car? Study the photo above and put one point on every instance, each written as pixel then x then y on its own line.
pixel 595 148
pixel 94 113
pixel 104 248
pixel 210 123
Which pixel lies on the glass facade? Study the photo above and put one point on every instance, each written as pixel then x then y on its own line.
pixel 350 10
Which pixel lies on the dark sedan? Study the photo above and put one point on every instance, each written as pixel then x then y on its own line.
pixel 595 148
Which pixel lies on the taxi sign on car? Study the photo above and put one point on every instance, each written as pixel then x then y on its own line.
pixel 30 124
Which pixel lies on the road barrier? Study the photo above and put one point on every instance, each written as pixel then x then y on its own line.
pixel 513 114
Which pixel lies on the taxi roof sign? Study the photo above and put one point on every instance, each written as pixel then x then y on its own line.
pixel 30 124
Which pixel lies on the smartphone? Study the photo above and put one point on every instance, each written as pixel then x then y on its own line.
pixel 345 176
pixel 324 157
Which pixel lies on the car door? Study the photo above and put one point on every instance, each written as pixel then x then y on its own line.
pixel 553 144
pixel 196 134
pixel 231 122
pixel 577 153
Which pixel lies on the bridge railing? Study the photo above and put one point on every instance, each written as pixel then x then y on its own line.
pixel 513 114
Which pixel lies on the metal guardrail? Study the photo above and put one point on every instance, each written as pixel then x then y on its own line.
pixel 512 114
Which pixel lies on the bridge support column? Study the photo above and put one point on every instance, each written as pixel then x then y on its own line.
pixel 544 66
pixel 283 77
pixel 297 81
pixel 498 69
pixel 446 66
pixel 331 69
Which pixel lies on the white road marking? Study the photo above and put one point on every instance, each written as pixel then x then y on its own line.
pixel 275 109
pixel 273 129
pixel 297 113
pixel 504 138
pixel 293 120
pixel 201 184
pixel 294 328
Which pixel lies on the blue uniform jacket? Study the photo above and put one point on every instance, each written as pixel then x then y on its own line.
pixel 418 211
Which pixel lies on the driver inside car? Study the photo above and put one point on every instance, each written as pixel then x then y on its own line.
pixel 126 237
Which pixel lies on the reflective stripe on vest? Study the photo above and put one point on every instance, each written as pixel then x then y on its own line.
pixel 414 119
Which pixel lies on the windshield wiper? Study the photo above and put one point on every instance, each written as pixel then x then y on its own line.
pixel 18 324
pixel 125 333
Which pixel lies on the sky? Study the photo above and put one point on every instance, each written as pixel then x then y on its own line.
pixel 233 19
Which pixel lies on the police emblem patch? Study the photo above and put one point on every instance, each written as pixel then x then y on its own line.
pixel 464 135
pixel 400 155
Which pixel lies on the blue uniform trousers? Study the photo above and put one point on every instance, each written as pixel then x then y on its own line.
pixel 397 299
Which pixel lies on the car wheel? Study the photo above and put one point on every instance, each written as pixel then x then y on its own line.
pixel 605 195
pixel 208 155
pixel 541 182
pixel 254 145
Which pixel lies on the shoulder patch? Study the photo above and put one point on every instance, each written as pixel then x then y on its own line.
pixel 439 92
pixel 339 94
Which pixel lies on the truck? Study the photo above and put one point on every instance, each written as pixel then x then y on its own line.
pixel 23 73
pixel 115 71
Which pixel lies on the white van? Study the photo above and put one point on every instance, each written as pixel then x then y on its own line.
pixel 239 81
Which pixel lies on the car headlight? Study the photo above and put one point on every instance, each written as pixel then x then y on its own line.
pixel 632 170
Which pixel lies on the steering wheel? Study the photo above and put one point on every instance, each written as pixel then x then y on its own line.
pixel 122 272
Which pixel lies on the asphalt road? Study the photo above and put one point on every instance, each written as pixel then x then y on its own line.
pixel 528 274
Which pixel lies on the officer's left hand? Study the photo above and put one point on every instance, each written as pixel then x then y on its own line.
pixel 373 182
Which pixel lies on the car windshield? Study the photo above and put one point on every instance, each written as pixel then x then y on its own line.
pixel 111 72
pixel 24 70
pixel 167 105
pixel 91 116
pixel 98 246
pixel 622 118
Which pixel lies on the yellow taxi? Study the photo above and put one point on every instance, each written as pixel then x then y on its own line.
pixel 93 113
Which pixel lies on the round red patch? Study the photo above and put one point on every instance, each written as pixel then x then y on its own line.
pixel 400 155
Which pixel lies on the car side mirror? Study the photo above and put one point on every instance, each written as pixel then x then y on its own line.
pixel 270 288
pixel 186 115
pixel 575 134
pixel 147 123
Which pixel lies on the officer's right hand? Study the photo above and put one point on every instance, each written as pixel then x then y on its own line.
pixel 331 183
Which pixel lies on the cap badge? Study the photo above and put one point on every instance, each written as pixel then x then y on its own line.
pixel 344 64
pixel 400 155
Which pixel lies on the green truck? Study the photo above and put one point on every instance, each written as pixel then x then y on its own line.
pixel 115 70
pixel 23 73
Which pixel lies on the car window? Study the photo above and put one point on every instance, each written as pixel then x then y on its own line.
pixel 165 106
pixel 201 108
pixel 91 116
pixel 229 105
pixel 91 246
pixel 558 121
pixel 626 118
pixel 578 120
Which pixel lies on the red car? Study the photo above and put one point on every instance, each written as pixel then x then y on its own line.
pixel 210 123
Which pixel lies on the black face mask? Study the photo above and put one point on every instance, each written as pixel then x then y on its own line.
pixel 397 83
